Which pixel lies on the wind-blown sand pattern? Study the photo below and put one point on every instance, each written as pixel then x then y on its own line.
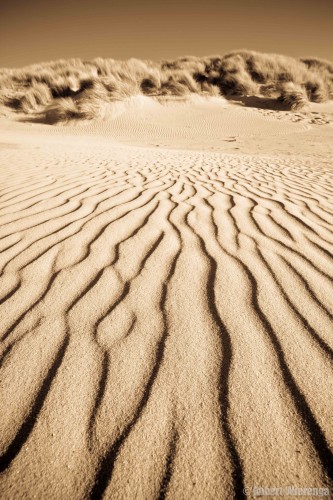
pixel 166 314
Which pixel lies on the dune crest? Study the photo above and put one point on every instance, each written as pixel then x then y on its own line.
pixel 61 91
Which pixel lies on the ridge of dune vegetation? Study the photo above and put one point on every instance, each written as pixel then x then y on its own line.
pixel 76 89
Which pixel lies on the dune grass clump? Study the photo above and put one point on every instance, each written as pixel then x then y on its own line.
pixel 91 98
pixel 64 109
pixel 91 90
pixel 209 90
pixel 177 83
pixel 150 84
pixel 237 84
pixel 38 95
pixel 74 88
pixel 88 110
pixel 293 96
pixel 316 90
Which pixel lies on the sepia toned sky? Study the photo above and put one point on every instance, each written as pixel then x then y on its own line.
pixel 43 30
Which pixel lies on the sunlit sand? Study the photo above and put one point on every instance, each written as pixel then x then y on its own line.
pixel 166 301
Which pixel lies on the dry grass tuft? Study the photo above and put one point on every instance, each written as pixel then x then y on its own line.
pixel 38 95
pixel 62 110
pixel 293 96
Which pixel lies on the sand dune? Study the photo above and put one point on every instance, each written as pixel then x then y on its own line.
pixel 166 305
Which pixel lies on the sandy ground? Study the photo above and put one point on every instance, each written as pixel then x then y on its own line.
pixel 166 303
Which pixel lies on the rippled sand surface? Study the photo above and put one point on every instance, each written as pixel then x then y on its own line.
pixel 166 305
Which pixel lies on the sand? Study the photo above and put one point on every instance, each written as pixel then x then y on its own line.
pixel 166 303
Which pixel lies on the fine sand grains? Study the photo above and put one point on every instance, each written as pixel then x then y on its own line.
pixel 166 321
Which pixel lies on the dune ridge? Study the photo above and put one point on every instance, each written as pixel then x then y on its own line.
pixel 65 90
pixel 166 314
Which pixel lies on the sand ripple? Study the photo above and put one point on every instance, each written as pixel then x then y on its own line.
pixel 166 323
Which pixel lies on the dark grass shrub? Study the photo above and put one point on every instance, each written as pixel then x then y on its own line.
pixel 86 84
pixel 316 91
pixel 90 109
pixel 318 64
pixel 209 89
pixel 150 86
pixel 232 65
pixel 60 90
pixel 293 97
pixel 214 78
pixel 285 76
pixel 256 74
pixel 237 84
pixel 173 88
pixel 150 83
pixel 269 90
pixel 12 102
pixel 94 91
pixel 44 77
pixel 184 78
pixel 63 109
pixel 200 77
pixel 213 64
pixel 38 95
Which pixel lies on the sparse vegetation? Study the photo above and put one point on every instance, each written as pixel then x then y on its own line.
pixel 67 89
pixel 293 96
pixel 62 110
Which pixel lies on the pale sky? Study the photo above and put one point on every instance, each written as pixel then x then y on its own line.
pixel 43 30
